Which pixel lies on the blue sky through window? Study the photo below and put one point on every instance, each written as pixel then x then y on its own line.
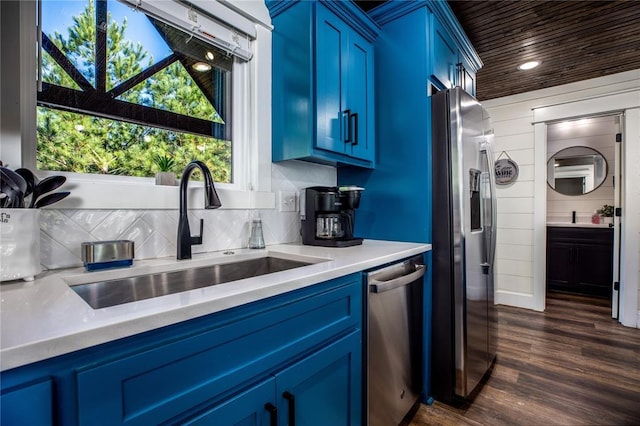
pixel 57 15
pixel 140 29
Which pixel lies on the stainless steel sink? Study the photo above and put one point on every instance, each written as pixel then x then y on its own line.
pixel 107 293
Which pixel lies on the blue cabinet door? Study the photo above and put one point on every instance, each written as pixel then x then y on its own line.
pixel 360 99
pixel 344 88
pixel 28 405
pixel 324 388
pixel 444 56
pixel 466 76
pixel 331 42
pixel 253 407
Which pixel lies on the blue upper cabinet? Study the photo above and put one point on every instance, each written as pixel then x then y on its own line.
pixel 323 84
pixel 444 56
pixel 419 50
pixel 451 65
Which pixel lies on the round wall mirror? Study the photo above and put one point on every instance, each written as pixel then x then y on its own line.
pixel 576 170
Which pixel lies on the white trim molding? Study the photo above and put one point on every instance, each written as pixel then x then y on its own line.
pixel 540 216
pixel 519 300
pixel 630 241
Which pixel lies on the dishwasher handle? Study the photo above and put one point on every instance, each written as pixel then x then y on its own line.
pixel 376 286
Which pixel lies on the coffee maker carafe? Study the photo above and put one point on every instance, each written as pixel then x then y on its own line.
pixel 329 216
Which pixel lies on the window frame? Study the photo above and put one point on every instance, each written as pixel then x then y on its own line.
pixel 251 109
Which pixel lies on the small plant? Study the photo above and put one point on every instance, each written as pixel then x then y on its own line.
pixel 164 162
pixel 606 211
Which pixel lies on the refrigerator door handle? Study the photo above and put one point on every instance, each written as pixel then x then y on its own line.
pixel 376 286
pixel 492 189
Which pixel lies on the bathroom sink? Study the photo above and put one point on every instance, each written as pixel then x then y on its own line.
pixel 102 294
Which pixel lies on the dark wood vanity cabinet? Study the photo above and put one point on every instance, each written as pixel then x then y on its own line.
pixel 580 260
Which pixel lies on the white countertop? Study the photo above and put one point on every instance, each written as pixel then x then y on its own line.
pixel 46 318
pixel 578 225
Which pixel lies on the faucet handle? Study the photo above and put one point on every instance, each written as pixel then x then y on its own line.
pixel 198 238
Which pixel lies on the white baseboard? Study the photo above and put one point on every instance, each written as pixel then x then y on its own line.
pixel 519 300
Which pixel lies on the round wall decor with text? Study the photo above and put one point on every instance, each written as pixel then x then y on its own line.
pixel 506 170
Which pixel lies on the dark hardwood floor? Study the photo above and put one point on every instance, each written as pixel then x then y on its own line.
pixel 571 365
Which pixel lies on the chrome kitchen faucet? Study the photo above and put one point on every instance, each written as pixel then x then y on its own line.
pixel 211 201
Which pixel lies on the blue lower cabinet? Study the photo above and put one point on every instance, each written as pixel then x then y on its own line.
pixel 324 388
pixel 223 368
pixel 321 389
pixel 31 405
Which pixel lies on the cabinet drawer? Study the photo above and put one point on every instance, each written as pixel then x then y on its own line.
pixel 580 235
pixel 155 385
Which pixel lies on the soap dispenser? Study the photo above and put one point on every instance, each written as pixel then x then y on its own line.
pixel 595 218
pixel 256 239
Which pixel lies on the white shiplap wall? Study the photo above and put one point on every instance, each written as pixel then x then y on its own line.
pixel 514 266
pixel 520 231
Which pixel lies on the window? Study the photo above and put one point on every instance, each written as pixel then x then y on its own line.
pixel 241 28
pixel 123 91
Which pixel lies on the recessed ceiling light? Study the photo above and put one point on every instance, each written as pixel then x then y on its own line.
pixel 201 66
pixel 528 65
pixel 209 56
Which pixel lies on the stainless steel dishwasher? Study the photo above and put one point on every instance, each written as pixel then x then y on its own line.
pixel 394 340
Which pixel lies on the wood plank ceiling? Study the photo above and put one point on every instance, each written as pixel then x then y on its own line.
pixel 574 40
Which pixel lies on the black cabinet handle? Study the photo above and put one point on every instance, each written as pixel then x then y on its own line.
pixel 347 113
pixel 292 407
pixel 354 116
pixel 273 413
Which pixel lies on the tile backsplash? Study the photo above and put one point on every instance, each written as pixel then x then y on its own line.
pixel 154 231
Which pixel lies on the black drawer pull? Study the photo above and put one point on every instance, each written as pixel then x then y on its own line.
pixel 292 407
pixel 273 413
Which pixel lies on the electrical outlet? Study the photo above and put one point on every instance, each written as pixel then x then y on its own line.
pixel 287 201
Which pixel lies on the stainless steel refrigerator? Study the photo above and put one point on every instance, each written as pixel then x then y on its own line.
pixel 464 243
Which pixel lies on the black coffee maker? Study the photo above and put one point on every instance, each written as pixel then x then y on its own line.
pixel 329 214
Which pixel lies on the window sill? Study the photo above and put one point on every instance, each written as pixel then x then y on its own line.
pixel 111 194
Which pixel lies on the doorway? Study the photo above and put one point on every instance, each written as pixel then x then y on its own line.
pixel 625 102
pixel 584 181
